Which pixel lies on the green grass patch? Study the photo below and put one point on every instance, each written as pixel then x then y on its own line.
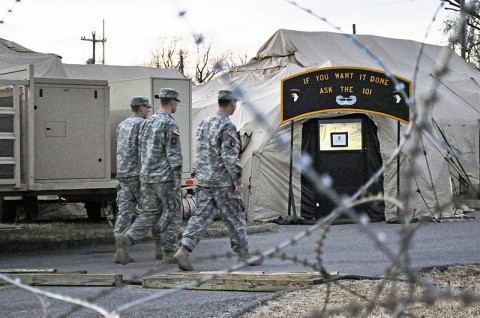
pixel 54 235
pixel 57 231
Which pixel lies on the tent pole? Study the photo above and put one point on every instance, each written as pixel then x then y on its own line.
pixel 291 199
pixel 398 166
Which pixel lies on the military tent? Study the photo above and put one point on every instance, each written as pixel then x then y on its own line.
pixel 45 65
pixel 429 180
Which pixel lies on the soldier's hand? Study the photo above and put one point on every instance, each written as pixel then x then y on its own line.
pixel 238 189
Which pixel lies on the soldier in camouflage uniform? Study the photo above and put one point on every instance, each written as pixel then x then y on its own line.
pixel 160 177
pixel 128 166
pixel 219 183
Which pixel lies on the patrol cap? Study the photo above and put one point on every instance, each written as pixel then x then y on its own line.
pixel 226 94
pixel 168 93
pixel 140 101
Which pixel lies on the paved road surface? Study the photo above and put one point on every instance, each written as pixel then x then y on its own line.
pixel 346 250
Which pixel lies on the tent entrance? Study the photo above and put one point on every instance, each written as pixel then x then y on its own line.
pixel 347 149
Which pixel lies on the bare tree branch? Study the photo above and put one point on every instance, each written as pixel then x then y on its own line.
pixel 471 35
pixel 174 53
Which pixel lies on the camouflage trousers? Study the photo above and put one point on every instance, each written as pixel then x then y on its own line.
pixel 161 213
pixel 232 211
pixel 128 196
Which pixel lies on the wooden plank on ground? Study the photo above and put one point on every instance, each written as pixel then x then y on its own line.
pixel 457 217
pixel 10 227
pixel 27 270
pixel 286 275
pixel 39 270
pixel 236 281
pixel 66 279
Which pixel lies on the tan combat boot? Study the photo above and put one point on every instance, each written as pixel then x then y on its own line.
pixel 181 256
pixel 244 257
pixel 158 250
pixel 168 258
pixel 122 244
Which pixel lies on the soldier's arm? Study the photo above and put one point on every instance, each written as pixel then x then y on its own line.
pixel 229 153
pixel 174 152
pixel 140 141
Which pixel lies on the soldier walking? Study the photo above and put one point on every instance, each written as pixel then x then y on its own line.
pixel 128 166
pixel 219 183
pixel 160 178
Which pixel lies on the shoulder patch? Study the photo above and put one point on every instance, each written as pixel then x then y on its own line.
pixel 234 135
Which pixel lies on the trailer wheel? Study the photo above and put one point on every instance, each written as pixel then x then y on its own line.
pixel 94 210
pixel 31 207
pixel 8 211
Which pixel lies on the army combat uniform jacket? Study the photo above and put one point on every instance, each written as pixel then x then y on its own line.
pixel 127 147
pixel 217 162
pixel 160 150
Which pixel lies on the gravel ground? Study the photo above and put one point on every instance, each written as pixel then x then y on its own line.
pixel 447 291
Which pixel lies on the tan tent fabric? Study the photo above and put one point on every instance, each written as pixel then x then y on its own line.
pixel 45 65
pixel 266 164
pixel 117 73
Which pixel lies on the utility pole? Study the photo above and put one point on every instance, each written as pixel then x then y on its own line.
pixel 104 39
pixel 463 30
pixel 94 42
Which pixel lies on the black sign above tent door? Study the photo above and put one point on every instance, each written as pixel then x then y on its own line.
pixel 345 89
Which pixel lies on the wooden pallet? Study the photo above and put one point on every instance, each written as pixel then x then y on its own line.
pixel 235 281
pixel 51 277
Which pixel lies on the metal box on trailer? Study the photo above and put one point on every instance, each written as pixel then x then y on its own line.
pixel 128 81
pixel 54 137
pixel 71 123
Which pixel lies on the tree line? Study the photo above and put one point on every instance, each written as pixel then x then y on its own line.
pixel 196 58
pixel 463 29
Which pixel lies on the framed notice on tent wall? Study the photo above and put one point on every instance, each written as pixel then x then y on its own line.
pixel 343 89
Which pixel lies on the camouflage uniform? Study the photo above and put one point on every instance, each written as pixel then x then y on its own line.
pixel 161 167
pixel 218 172
pixel 128 170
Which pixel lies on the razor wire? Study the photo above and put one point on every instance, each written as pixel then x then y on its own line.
pixel 9 11
pixel 323 184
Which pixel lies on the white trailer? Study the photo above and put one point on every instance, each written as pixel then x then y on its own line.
pixel 58 136
pixel 52 137
pixel 128 81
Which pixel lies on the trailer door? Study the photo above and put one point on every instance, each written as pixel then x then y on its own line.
pixel 70 141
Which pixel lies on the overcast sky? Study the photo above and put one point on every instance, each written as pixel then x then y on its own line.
pixel 133 28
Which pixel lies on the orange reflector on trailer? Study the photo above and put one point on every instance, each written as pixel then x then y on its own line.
pixel 189 182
